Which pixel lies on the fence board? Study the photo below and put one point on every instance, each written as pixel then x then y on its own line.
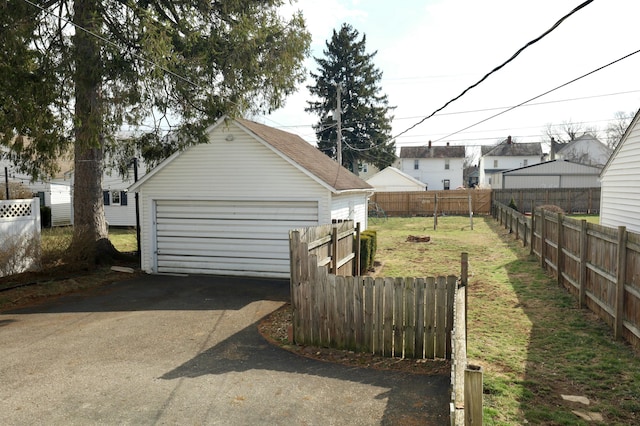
pixel 429 317
pixel 420 308
pixel 409 318
pixel 368 319
pixel 378 336
pixel 387 341
pixel 440 325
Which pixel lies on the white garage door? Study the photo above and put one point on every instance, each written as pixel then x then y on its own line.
pixel 248 238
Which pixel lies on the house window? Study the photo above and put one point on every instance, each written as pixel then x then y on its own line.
pixel 495 164
pixel 447 184
pixel 524 162
pixel 115 198
pixel 447 165
pixel 416 164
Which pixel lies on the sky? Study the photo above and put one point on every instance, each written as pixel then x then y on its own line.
pixel 429 51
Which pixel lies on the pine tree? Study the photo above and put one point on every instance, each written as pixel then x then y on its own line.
pixel 74 73
pixel 364 111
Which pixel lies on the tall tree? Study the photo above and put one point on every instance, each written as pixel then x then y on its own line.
pixel 74 72
pixel 364 111
pixel 617 128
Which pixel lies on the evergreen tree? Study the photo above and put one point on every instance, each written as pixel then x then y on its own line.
pixel 74 72
pixel 365 112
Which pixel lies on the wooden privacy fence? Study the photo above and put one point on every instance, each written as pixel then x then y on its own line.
pixel 404 317
pixel 423 203
pixel 571 200
pixel 335 245
pixel 599 265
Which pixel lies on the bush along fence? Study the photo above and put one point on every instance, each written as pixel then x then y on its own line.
pixel 599 265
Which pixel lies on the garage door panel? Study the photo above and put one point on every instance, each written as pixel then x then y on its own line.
pixel 248 238
pixel 210 250
pixel 231 229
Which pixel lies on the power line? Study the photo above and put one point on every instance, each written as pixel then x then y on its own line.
pixel 535 40
pixel 543 94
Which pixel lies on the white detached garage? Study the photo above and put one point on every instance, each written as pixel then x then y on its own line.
pixel 226 207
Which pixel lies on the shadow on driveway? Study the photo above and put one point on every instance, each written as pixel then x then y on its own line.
pixel 161 349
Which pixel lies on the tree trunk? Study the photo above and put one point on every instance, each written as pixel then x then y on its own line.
pixel 90 236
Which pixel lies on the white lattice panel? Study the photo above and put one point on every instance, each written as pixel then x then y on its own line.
pixel 13 210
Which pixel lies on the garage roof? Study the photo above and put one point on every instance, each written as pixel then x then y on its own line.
pixel 307 156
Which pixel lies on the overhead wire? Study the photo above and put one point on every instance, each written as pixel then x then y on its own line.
pixel 496 69
pixel 542 94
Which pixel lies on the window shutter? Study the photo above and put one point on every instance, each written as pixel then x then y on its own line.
pixel 123 198
pixel 105 196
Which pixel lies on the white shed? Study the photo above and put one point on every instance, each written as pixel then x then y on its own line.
pixel 393 180
pixel 620 180
pixel 226 207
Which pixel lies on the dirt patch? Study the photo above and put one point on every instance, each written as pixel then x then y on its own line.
pixel 275 328
pixel 418 239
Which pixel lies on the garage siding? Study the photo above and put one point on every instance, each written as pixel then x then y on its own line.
pixel 228 237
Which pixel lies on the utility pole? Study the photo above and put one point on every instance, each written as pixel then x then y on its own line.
pixel 339 125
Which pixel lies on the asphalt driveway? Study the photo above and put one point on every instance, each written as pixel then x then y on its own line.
pixel 186 350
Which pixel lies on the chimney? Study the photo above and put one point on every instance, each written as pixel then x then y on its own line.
pixel 552 153
pixel 509 140
pixel 429 144
pixel 447 143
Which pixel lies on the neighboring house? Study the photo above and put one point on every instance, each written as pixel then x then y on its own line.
pixel 55 193
pixel 227 206
pixel 367 170
pixel 550 174
pixel 472 176
pixel 438 167
pixel 506 155
pixel 586 149
pixel 620 179
pixel 393 180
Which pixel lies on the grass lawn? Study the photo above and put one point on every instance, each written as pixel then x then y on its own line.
pixel 527 332
pixel 55 240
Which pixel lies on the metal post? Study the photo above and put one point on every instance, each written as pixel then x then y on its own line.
pixel 6 182
pixel 135 179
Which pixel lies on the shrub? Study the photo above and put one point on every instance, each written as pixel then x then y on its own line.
pixel 551 208
pixel 45 217
pixel 19 253
pixel 512 204
pixel 368 246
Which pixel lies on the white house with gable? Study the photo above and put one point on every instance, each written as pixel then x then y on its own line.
pixel 438 167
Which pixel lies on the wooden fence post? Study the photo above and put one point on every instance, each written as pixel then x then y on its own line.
pixel 543 238
pixel 334 250
pixel 620 281
pixel 533 230
pixel 582 295
pixel 356 251
pixel 435 213
pixel 559 264
pixel 473 395
pixel 470 211
pixel 464 280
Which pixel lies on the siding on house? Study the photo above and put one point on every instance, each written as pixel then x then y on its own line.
pixel 506 155
pixel 393 180
pixel 620 199
pixel 435 165
pixel 350 206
